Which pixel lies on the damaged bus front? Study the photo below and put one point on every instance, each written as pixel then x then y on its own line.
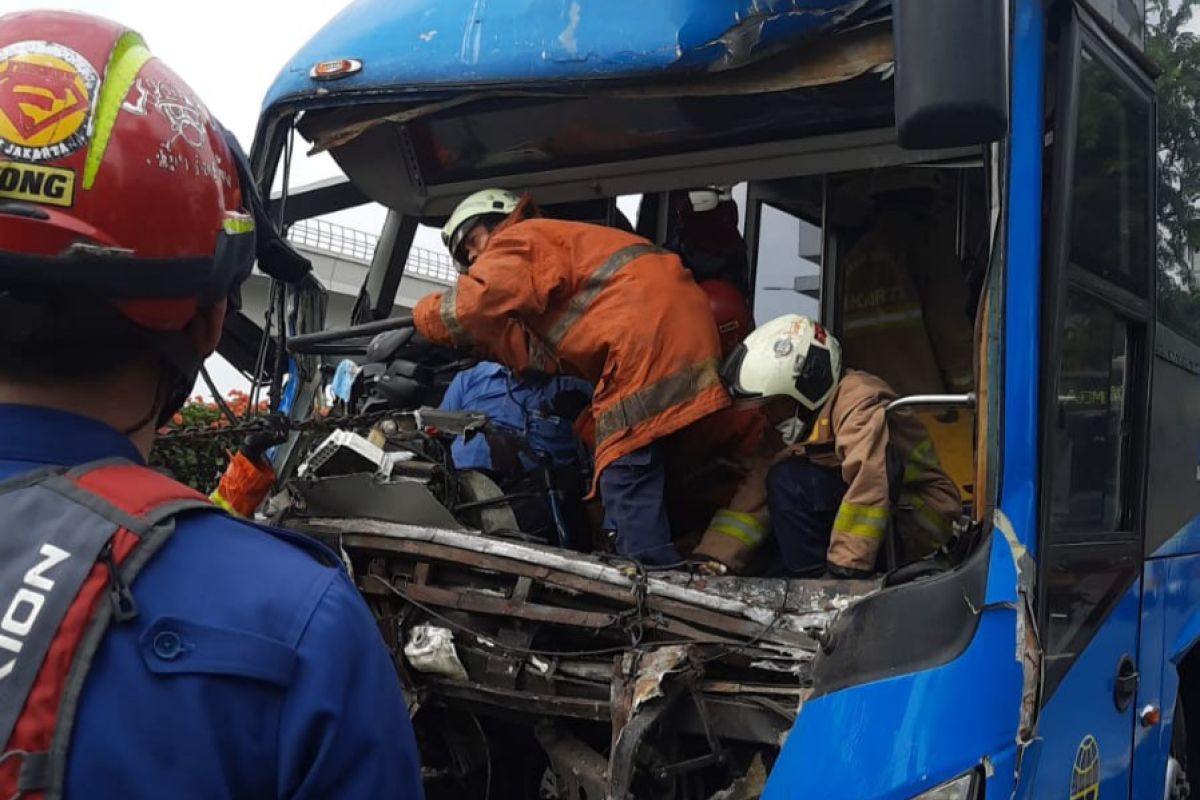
pixel 868 148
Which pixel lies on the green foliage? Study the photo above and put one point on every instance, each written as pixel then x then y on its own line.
pixel 1176 50
pixel 200 462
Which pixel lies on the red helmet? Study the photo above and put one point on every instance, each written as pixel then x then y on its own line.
pixel 114 178
pixel 731 312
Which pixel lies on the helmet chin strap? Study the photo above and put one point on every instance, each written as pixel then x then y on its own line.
pixel 175 388
pixel 171 391
pixel 796 426
pixel 179 365
pixel 155 409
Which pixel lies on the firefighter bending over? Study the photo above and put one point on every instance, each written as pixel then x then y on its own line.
pixel 556 297
pixel 837 473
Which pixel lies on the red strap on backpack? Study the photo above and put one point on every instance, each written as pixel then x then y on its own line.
pixel 129 502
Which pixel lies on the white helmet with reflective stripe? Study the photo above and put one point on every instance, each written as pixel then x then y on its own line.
pixel 790 356
pixel 484 203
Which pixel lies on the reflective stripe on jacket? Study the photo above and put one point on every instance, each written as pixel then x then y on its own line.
pixel 905 306
pixel 853 433
pixel 856 423
pixel 594 302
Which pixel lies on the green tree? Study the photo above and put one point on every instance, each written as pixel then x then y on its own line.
pixel 1176 50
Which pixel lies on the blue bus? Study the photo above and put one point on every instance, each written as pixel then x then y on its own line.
pixel 965 193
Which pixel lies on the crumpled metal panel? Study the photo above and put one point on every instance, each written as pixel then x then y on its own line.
pixel 427 44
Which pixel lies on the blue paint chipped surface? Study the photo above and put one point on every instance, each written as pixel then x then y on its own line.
pixel 429 44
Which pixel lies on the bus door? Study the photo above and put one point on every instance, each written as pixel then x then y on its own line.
pixel 1095 373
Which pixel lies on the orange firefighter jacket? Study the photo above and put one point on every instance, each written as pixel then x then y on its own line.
pixel 594 302
pixel 853 433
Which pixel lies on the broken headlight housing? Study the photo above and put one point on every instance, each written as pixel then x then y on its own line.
pixel 964 787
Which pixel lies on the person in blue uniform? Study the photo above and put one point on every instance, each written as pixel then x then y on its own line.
pixel 531 442
pixel 244 663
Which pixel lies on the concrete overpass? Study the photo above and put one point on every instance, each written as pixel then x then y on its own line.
pixel 340 257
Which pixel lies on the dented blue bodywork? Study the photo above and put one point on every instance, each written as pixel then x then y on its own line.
pixel 429 44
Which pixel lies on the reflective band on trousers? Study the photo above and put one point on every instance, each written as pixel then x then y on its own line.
pixel 656 398
pixel 595 283
pixel 902 317
pixel 867 522
pixel 743 527
pixel 449 314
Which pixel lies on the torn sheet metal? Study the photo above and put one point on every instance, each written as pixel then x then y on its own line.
pixel 458 423
pixel 363 495
pixel 649 672
pixel 839 59
pixel 1029 651
pixel 569 644
pixel 430 649
pixel 765 28
pixel 788 625
pixel 427 44
pixel 827 62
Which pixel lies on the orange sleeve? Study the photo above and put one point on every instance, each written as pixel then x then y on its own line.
pixel 427 319
pixel 512 281
pixel 244 485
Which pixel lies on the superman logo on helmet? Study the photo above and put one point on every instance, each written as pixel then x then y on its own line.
pixel 46 93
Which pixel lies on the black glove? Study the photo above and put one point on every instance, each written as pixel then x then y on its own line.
pixel 420 348
pixel 274 432
pixel 535 377
pixel 569 404
pixel 847 573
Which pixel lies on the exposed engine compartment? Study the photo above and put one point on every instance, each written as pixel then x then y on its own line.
pixel 633 683
pixel 537 671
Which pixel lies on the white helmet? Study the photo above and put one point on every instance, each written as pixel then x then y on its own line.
pixel 790 356
pixel 484 203
pixel 709 197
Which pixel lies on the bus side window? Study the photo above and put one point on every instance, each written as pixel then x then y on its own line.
pixel 1095 408
pixel 1090 422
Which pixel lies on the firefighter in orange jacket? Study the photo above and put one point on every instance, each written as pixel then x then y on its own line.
pixel 551 296
pixel 840 472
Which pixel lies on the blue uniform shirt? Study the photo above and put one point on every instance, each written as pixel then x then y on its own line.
pixel 518 406
pixel 225 723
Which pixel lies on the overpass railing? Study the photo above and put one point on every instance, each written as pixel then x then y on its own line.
pixel 343 242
